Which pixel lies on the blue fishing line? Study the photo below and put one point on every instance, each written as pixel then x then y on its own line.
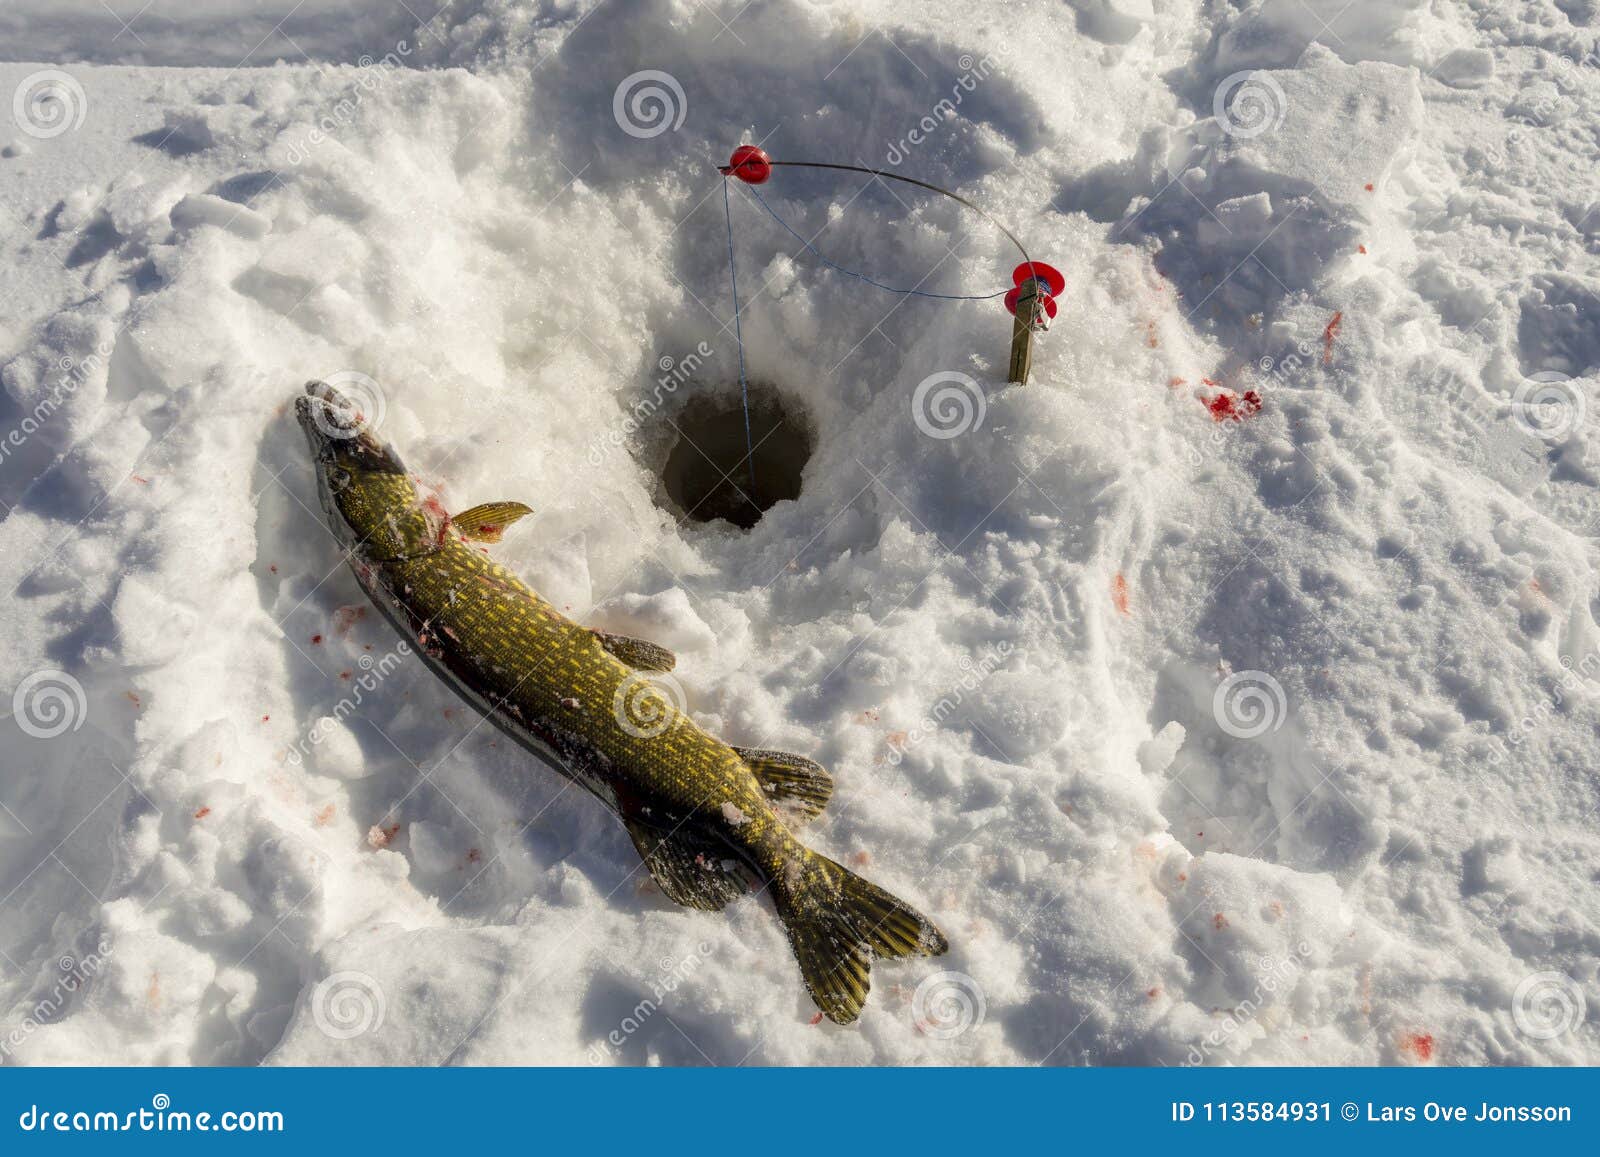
pixel 852 273
pixel 738 337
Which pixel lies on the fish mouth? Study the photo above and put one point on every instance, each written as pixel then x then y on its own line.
pixel 327 415
pixel 339 432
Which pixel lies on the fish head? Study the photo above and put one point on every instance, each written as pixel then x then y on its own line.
pixel 340 435
pixel 370 500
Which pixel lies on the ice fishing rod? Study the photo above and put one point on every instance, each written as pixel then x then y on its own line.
pixel 1031 300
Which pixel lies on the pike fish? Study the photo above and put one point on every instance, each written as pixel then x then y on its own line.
pixel 703 815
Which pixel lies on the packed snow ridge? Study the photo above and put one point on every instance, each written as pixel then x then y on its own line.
pixel 1227 694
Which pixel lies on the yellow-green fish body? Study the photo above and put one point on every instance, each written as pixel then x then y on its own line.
pixel 700 812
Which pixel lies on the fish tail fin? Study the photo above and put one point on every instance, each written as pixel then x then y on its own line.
pixel 837 923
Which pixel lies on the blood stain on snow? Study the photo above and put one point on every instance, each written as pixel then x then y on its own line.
pixel 133 698
pixel 202 813
pixel 1369 188
pixel 324 817
pixel 347 617
pixel 1150 338
pixel 1119 594
pixel 379 837
pixel 1154 992
pixel 1328 334
pixel 1230 407
pixel 1175 382
pixel 345 674
pixel 264 718
pixel 473 855
pixel 316 639
pixel 861 859
pixel 1418 1044
pixel 1361 249
pixel 1219 921
pixel 816 1019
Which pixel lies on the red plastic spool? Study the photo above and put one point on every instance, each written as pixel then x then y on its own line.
pixel 1011 302
pixel 751 165
pixel 1054 284
pixel 1048 274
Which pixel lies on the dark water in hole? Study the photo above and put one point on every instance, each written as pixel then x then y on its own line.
pixel 707 473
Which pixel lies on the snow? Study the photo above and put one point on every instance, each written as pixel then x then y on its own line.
pixel 1256 739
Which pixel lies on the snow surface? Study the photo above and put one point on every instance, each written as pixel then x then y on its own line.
pixel 1268 740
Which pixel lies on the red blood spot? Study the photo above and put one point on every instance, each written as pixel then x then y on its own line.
pixel 1229 407
pixel 1199 835
pixel 817 1019
pixel 473 855
pixel 1369 188
pixel 344 674
pixel 316 638
pixel 1219 921
pixel 1183 877
pixel 1150 338
pixel 1119 593
pixel 1153 993
pixel 1361 248
pixel 324 817
pixel 1418 1044
pixel 273 568
pixel 137 478
pixel 1328 335
pixel 202 813
pixel 132 698
pixel 1174 382
pixel 861 859
pixel 347 617
pixel 264 718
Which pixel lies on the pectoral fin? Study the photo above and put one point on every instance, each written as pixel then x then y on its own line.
pixel 640 654
pixel 486 523
pixel 696 873
pixel 790 780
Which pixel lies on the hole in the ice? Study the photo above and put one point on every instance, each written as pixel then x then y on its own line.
pixel 708 472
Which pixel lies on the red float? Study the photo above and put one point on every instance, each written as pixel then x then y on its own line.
pixel 750 164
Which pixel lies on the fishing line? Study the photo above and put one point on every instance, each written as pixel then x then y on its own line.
pixel 738 338
pixel 753 167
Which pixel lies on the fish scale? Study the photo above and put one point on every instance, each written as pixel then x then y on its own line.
pixel 699 811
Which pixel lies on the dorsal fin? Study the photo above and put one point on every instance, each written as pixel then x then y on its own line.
pixel 790 780
pixel 488 521
pixel 694 872
pixel 640 654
